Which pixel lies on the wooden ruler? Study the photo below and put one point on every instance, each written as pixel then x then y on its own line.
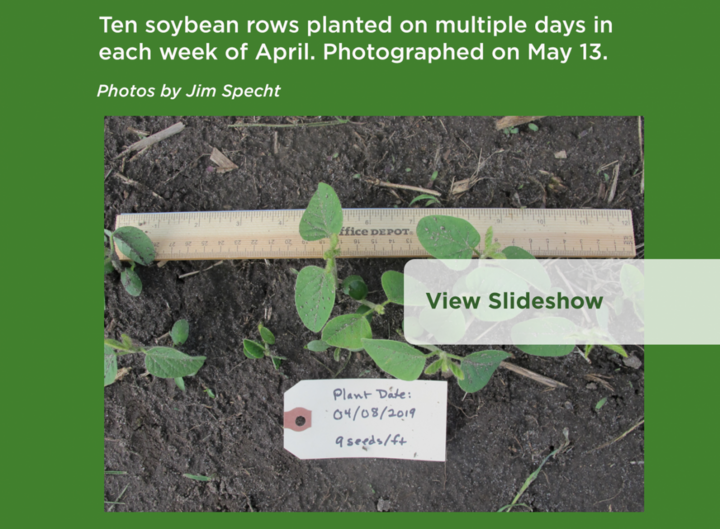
pixel 273 234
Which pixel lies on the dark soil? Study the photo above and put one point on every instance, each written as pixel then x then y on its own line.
pixel 495 438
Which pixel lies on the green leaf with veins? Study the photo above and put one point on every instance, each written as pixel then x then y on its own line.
pixel 252 349
pixel 478 368
pixel 110 365
pixel 135 244
pixel 430 200
pixel 393 284
pixel 131 281
pixel 434 367
pixel 267 336
pixel 314 296
pixel 355 287
pixel 323 215
pixel 347 331
pixel 180 332
pixel 396 358
pixel 447 237
pixel 317 346
pixel 166 362
pixel 456 371
pixel 365 311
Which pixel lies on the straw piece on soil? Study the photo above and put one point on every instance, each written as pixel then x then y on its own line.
pixel 223 162
pixel 378 182
pixel 620 437
pixel 531 374
pixel 130 182
pixel 561 155
pixel 514 121
pixel 152 140
pixel 463 186
pixel 613 187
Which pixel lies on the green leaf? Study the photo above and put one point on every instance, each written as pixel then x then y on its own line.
pixel 558 329
pixel 253 349
pixel 365 311
pixel 179 332
pixel 110 365
pixel 530 270
pixel 336 354
pixel 515 252
pixel 166 362
pixel 267 336
pixel 197 478
pixel 179 382
pixel 131 281
pixel 617 348
pixel 355 287
pixel 434 176
pixel 108 262
pixel 314 296
pixel 135 244
pixel 430 199
pixel 114 344
pixel 489 240
pixel 447 237
pixel 393 284
pixel 127 342
pixel 456 371
pixel 478 368
pixel 601 403
pixel 347 331
pixel 434 367
pixel 276 363
pixel 323 216
pixel 318 346
pixel 533 127
pixel 396 358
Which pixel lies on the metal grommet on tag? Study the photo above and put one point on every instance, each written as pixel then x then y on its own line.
pixel 366 418
pixel 297 419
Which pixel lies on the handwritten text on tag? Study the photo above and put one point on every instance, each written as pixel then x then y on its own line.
pixel 377 418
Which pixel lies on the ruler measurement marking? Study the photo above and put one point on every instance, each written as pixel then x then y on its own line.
pixel 274 233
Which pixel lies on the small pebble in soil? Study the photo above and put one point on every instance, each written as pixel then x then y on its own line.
pixel 568 405
pixel 633 362
pixel 383 505
pixel 591 385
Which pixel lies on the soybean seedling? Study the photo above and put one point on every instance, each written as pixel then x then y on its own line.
pixel 162 362
pixel 134 244
pixel 255 350
pixel 316 288
pixel 178 335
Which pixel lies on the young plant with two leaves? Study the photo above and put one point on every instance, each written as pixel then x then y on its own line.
pixel 137 246
pixel 317 288
pixel 255 350
pixel 162 362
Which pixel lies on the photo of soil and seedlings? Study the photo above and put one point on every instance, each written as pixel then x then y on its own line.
pixel 203 338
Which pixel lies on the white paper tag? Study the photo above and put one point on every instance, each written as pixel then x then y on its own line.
pixel 378 418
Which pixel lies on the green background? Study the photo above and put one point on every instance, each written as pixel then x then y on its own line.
pixel 661 64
